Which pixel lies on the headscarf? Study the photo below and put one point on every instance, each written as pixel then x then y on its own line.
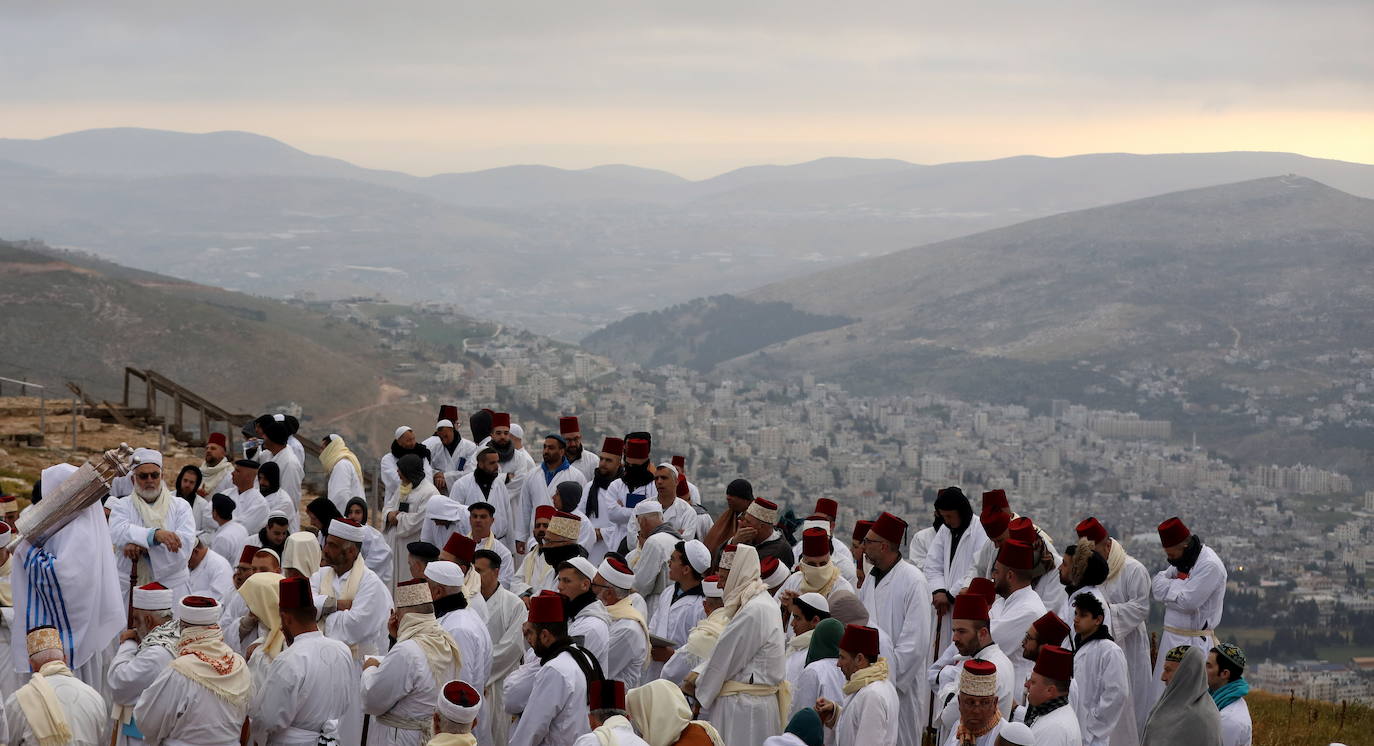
pixel 360 502
pixel 744 582
pixel 662 713
pixel 806 725
pixel 438 646
pixel 42 707
pixel 261 592
pixel 1186 712
pixel 203 657
pixel 302 553
pixel 324 511
pixel 953 498
pixel 411 469
pixel 271 474
pixel 200 479
pixel 334 451
pixel 825 641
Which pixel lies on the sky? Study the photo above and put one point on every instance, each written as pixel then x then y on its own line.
pixel 700 88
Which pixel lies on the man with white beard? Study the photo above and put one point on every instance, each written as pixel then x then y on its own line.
pixel 152 528
pixel 1128 591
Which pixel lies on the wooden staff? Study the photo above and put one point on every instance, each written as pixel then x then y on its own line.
pixel 928 736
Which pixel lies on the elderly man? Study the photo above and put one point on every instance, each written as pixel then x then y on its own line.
pixel 649 558
pixel 870 714
pixel 627 657
pixel 54 707
pixel 758 528
pixel 896 596
pixel 549 691
pixel 1047 698
pixel 153 529
pixel 143 652
pixel 588 617
pixel 456 715
pixel 400 689
pixel 310 693
pixel 972 633
pixel 979 720
pixel 609 719
pixel 505 618
pixel 356 603
pixel 460 620
pixel 206 678
pixel 539 487
pixel 449 452
pixel 1193 591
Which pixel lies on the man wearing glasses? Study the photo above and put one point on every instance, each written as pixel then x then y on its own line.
pixel 152 529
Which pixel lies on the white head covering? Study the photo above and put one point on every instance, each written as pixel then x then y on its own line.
pixel 147 456
pixel 153 599
pixel 276 514
pixel 516 431
pixel 815 601
pixel 443 509
pixel 621 580
pixel 402 430
pixel 348 532
pixel 698 556
pixel 443 423
pixel 669 465
pixel 712 589
pixel 583 566
pixel 817 523
pixel 444 572
pixel 200 616
pixel 1017 733
pixel 661 712
pixel 648 507
pixel 744 582
pixel 301 552
pixel 450 710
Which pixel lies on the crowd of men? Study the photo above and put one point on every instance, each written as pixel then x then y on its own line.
pixel 586 598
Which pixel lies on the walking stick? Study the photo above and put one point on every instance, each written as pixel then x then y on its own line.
pixel 128 624
pixel 367 720
pixel 928 736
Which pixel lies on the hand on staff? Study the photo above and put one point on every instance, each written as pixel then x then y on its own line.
pixel 826 710
pixel 133 551
pixel 940 600
pixel 168 539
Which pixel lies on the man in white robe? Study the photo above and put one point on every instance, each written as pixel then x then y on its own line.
pixel 450 454
pixel 208 573
pixel 549 691
pixel 206 678
pixel 356 603
pixel 515 462
pixel 277 435
pixel 870 713
pixel 481 516
pixel 1127 590
pixel 464 624
pixel 540 484
pixel 311 691
pixel 534 573
pixel 597 502
pixel 1100 694
pixel 971 631
pixel 609 719
pixel 444 517
pixel 950 559
pixel 152 527
pixel 824 517
pixel 678 608
pixel 702 638
pixel 627 657
pixel 455 714
pixel 589 620
pixel 142 655
pixel 1228 687
pixel 1047 710
pixel 399 689
pixel 405 512
pixel 817 570
pixel 216 469
pixel 1193 591
pixel 250 507
pixel 978 694
pixel 634 485
pixel 677 512
pixel 404 444
pixel 344 470
pixel 1017 605
pixel 227 536
pixel 742 683
pixel 649 558
pixel 505 620
pixel 582 459
pixel 898 601
pixel 485 485
pixel 54 706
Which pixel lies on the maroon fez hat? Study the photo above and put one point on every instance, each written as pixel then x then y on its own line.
pixel 860 640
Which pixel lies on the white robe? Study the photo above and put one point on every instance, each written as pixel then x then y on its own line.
pixel 280 502
pixel 628 654
pixel 391 479
pixel 212 577
pixel 593 625
pixel 229 541
pixel 466 491
pixel 673 621
pixel 623 733
pixel 650 563
pixel 250 510
pixel 167 567
pixel 949 685
pixel 614 503
pixel 363 626
pixel 918 547
pixel 468 628
pixel 1129 596
pixel 401 690
pixel 899 606
pixel 452 465
pixel 1101 697
pixel 344 484
pixel 1193 603
pixel 85 711
pixel 819 678
pixel 587 463
pixel 132 671
pixel 1235 724
pixel 1059 728
pixel 552 704
pixel 312 682
pixel 292 473
pixel 1011 617
pixel 505 620
pixel 869 716
pixel 506 577
pixel 172 695
pixel 436 533
pixel 536 491
pixel 407 528
pixel 679 514
pixel 750 651
pixel 952 573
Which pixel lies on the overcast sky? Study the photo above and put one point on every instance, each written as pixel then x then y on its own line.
pixel 701 87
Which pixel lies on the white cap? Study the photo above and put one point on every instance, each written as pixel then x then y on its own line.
pixel 698 556
pixel 200 614
pixel 440 508
pixel 273 552
pixel 153 597
pixel 815 601
pixel 808 525
pixel 621 580
pixel 583 566
pixel 147 456
pixel 444 572
pixel 516 431
pixel 276 514
pixel 648 507
pixel 712 590
pixel 441 423
pixel 1017 733
pixel 402 430
pixel 347 531
pixel 780 574
pixel 669 465
pixel 451 694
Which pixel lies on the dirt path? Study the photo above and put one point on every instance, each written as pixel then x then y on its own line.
pixel 387 395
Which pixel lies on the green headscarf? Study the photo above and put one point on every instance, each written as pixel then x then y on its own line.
pixel 825 641
pixel 806 725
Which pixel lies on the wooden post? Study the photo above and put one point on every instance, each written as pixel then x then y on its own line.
pixel 176 416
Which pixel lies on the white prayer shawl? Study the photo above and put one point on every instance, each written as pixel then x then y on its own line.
pixel 552 704
pixel 650 563
pixel 505 620
pixel 250 509
pixel 85 711
pixel 344 484
pixel 870 716
pixel 166 567
pixel 1235 724
pixel 1129 596
pixel 212 577
pixel 535 492
pixel 899 606
pixel 312 682
pixel 1100 695
pixel 161 708
pixel 469 630
pixel 402 690
pixel 467 491
pixel 622 734
pixel 593 625
pixel 839 554
pixel 407 528
pixel 750 651
pixel 1059 728
pixel 987 739
pixel 438 534
pixel 229 541
pixel 132 671
pixel 1011 617
pixel 1194 603
pixel 292 473
pixel 819 678
pixel 628 653
pixel 362 627
pixel 679 514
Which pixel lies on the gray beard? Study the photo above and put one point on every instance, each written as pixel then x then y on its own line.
pixel 149 495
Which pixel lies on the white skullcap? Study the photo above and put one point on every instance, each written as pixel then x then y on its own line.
pixel 1017 733
pixel 153 597
pixel 584 566
pixel 444 572
pixel 815 601
pixel 648 507
pixel 443 423
pixel 810 524
pixel 147 456
pixel 669 465
pixel 712 589
pixel 279 513
pixel 279 417
pixel 779 575
pixel 200 614
pixel 621 580
pixel 516 431
pixel 341 528
pixel 698 556
pixel 459 702
pixel 273 552
pixel 402 430
pixel 441 508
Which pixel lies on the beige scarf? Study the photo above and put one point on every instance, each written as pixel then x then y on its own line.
pixel 800 642
pixel 533 566
pixel 623 609
pixel 744 582
pixel 1116 559
pixel 350 589
pixel 336 450
pixel 605 735
pixel 205 659
pixel 41 707
pixel 453 739
pixel 818 579
pixel 439 648
pixel 154 514
pixel 865 676
pixel 210 475
pixel 704 636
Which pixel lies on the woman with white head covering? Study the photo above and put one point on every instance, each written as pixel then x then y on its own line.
pixel 660 710
pixel 1186 712
pixel 301 556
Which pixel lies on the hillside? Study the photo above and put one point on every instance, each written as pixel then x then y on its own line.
pixel 1285 721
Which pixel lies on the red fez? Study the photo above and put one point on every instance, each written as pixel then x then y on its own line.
pixel 500 419
pixel 546 609
pixel 860 640
pixel 981 586
pixel 680 463
pixel 461 693
pixel 294 593
pixel 1089 528
pixel 977 667
pixel 568 426
pixel 1054 663
pixel 1016 555
pixel 682 489
pixel 971 606
pixel 890 528
pixel 448 412
pixel 1172 532
pixel 461 547
pixel 636 448
pixel 618 565
pixel 246 556
pixel 544 512
pixel 199 602
pixel 827 507
pixel 815 543
pixel 995 524
pixel 605 694
pixel 768 566
pixel 1050 629
pixel 861 529
pixel 1022 529
pixel 219 440
pixel 995 500
pixel 613 445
